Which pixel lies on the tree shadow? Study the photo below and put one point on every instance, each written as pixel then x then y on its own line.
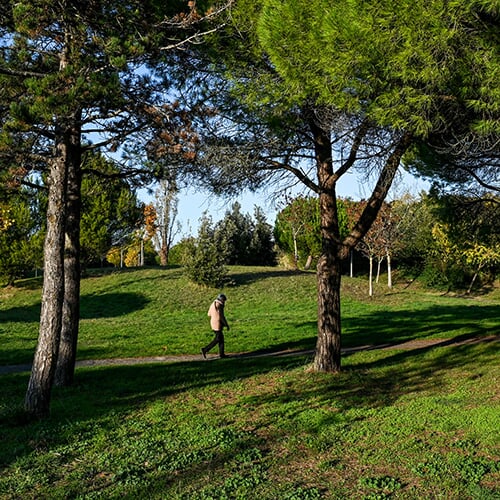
pixel 366 382
pixel 305 345
pixel 378 382
pixel 111 305
pixel 138 275
pixel 238 279
pixel 104 305
pixel 395 326
pixel 24 314
pixel 34 283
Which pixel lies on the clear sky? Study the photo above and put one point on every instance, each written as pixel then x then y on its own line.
pixel 192 204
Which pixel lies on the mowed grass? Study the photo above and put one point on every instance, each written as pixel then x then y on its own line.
pixel 158 312
pixel 396 423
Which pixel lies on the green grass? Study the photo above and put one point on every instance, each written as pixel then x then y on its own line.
pixel 394 424
pixel 157 312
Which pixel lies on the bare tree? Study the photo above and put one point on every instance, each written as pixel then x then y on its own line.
pixel 167 226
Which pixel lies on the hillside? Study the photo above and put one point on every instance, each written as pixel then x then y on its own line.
pixel 157 312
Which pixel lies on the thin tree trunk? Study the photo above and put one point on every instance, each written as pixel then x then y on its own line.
pixel 379 267
pixel 308 262
pixel 370 277
pixel 295 250
pixel 389 270
pixel 476 274
pixel 71 306
pixel 37 399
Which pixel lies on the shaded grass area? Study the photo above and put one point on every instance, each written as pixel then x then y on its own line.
pixel 398 424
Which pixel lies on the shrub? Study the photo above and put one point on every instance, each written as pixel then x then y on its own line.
pixel 204 260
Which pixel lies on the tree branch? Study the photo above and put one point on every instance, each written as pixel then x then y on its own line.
pixel 378 195
pixel 23 74
pixel 358 139
pixel 276 165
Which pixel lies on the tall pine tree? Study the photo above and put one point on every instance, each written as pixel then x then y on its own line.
pixel 73 76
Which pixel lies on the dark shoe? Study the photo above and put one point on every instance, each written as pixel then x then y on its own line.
pixel 203 353
pixel 223 356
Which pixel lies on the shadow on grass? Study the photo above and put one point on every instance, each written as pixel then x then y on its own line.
pixel 139 275
pixel 396 326
pixel 91 307
pixel 393 327
pixel 239 279
pixel 34 283
pixel 381 380
pixel 367 382
pixel 284 348
pixel 111 305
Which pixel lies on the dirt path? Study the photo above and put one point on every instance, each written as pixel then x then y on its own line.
pixel 411 344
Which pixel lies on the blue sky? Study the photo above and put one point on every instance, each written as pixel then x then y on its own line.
pixel 192 204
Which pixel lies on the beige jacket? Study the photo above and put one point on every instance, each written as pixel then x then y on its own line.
pixel 217 319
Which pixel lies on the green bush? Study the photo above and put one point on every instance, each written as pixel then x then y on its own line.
pixel 204 260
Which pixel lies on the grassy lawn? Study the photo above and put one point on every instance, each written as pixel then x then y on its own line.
pixel 394 424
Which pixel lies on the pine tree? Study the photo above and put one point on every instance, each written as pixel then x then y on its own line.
pixel 69 76
pixel 329 87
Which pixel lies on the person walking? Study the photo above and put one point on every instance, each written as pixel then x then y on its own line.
pixel 217 323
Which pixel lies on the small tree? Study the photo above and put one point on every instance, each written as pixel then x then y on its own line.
pixel 205 260
pixel 377 244
pixel 479 257
pixel 233 235
pixel 114 256
pixel 297 230
pixel 262 244
pixel 245 241
pixel 166 226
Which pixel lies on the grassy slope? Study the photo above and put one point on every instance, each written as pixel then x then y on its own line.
pixel 158 312
pixel 404 424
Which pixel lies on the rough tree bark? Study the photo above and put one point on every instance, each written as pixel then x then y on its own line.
pixel 66 359
pixel 328 346
pixel 37 399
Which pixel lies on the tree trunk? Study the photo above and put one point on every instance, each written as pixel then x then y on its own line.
pixel 389 270
pixel 327 357
pixel 328 345
pixel 295 249
pixel 370 277
pixel 37 399
pixel 476 274
pixel 308 262
pixel 66 359
pixel 163 255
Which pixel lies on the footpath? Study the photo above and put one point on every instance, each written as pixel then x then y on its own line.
pixel 409 345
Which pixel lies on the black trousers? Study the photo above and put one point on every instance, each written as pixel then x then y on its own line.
pixel 218 339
